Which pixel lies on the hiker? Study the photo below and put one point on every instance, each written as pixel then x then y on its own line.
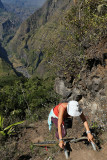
pixel 60 113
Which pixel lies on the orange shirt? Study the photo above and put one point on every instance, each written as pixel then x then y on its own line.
pixel 56 109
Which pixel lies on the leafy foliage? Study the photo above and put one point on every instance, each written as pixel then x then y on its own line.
pixel 26 99
pixel 88 22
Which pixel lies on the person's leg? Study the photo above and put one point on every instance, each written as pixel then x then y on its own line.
pixel 64 132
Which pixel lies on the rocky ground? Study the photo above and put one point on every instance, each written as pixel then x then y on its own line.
pixel 21 146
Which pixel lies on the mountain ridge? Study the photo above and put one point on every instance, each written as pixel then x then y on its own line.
pixel 1 5
pixel 44 17
pixel 49 31
pixel 23 8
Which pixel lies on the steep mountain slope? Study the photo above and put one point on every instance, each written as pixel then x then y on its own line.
pixel 9 23
pixel 7 73
pixel 1 5
pixel 1 10
pixel 92 85
pixel 23 8
pixel 5 69
pixel 56 32
pixel 39 32
pixel 22 3
pixel 67 47
pixel 72 46
pixel 8 26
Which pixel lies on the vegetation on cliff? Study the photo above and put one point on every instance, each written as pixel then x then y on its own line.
pixel 27 99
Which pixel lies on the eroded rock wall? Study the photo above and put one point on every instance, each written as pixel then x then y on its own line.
pixel 90 86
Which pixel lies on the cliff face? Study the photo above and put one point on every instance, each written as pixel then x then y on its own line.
pixel 90 86
pixel 7 72
pixel 41 29
pixel 8 24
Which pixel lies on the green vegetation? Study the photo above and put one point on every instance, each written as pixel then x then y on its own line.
pixel 88 20
pixel 7 74
pixel 27 99
pixel 9 130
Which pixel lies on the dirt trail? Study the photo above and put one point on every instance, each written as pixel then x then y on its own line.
pixel 86 154
pixel 39 132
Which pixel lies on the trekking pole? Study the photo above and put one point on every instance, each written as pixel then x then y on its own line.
pixel 93 146
pixel 66 151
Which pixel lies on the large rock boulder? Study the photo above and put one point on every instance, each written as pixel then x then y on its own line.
pixel 61 89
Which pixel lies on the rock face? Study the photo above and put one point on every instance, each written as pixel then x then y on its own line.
pixel 3 53
pixel 8 24
pixel 92 88
pixel 25 40
pixel 61 89
pixel 24 71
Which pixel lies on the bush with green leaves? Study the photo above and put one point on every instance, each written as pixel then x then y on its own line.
pixel 87 22
pixel 30 98
pixel 40 95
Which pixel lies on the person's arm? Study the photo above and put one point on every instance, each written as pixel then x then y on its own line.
pixel 60 120
pixel 89 135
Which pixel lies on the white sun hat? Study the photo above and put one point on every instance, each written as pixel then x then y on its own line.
pixel 73 109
